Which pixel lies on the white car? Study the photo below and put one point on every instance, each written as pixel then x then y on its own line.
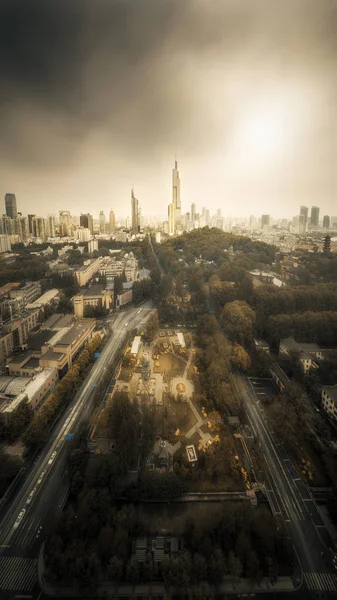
pixel 19 518
pixel 41 477
pixel 138 311
pixel 52 458
pixel 30 497
pixel 126 324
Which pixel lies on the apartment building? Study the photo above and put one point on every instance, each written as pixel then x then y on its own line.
pixel 329 400
pixel 14 334
pixel 28 292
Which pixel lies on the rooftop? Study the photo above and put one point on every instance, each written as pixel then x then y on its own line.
pixel 4 289
pixel 12 386
pixel 51 355
pixel 40 339
pixel 57 321
pixel 278 371
pixel 30 390
pixel 331 390
pixel 44 299
pixel 76 331
pixel 93 290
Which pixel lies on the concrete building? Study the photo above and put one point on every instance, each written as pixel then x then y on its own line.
pixel 65 223
pixel 87 222
pixel 51 226
pixel 101 222
pixel 135 224
pixel 171 219
pixel 265 221
pixel 176 193
pixel 28 292
pixel 94 297
pixel 93 246
pixel 279 377
pixel 11 208
pixel 60 351
pixel 112 222
pixel 329 400
pixel 6 225
pixel 5 243
pixel 51 297
pixel 33 391
pixel 39 226
pixel 83 234
pixel 289 346
pixel 14 333
pixel 314 216
pixel 87 271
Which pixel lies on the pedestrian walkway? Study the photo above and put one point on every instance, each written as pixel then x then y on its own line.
pixel 324 582
pixel 19 574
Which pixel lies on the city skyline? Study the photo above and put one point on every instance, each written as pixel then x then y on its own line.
pixel 253 122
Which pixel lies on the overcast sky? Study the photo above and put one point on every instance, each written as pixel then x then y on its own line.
pixel 98 95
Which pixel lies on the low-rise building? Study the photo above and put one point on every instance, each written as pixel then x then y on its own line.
pixel 306 352
pixel 329 400
pixel 94 297
pixel 28 292
pixel 87 271
pixel 279 377
pixel 51 297
pixel 14 333
pixel 63 348
pixel 15 390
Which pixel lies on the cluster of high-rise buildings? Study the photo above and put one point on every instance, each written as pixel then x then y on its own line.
pixel 14 227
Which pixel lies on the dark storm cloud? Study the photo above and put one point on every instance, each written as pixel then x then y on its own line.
pixel 67 67
pixel 152 74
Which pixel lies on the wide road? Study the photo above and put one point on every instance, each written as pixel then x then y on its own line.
pixel 292 502
pixel 44 490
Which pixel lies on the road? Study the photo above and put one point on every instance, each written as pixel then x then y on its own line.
pixel 47 481
pixel 292 502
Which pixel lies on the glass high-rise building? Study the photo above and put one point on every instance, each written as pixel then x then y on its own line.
pixel 314 216
pixel 11 208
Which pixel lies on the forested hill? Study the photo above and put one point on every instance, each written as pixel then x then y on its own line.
pixel 211 243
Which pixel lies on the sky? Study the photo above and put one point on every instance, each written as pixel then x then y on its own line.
pixel 99 96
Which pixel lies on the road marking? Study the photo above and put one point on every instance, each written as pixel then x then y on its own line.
pixel 17 573
pixel 321 581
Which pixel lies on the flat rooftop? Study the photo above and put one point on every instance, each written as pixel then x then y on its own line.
pixel 40 339
pixel 51 355
pixel 75 332
pixel 94 290
pixel 57 321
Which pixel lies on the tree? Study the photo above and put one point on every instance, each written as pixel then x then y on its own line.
pixel 240 358
pixel 114 569
pixel 151 328
pixel 238 321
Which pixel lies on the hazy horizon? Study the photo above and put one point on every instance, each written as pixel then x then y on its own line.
pixel 98 97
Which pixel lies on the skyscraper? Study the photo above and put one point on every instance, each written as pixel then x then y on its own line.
pixel 65 223
pixel 87 222
pixel 193 212
pixel 51 226
pixel 112 221
pixel 101 222
pixel 30 224
pixel 326 222
pixel 134 213
pixel 304 211
pixel 176 193
pixel 11 209
pixel 265 221
pixel 314 216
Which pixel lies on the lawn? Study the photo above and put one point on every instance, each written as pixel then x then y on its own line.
pixel 173 416
pixel 170 365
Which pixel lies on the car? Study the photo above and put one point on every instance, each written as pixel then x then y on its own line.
pixel 19 518
pixel 41 477
pixel 126 324
pixel 138 311
pixel 30 497
pixel 52 457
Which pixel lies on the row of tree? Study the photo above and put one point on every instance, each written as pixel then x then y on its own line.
pixel 319 327
pixel 37 432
